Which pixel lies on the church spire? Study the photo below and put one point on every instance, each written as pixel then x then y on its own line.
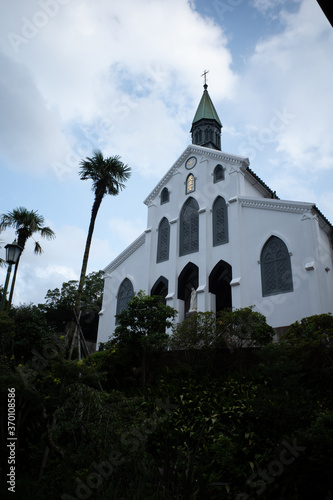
pixel 206 125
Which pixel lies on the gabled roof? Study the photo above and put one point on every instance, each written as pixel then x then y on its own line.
pixel 325 220
pixel 255 176
pixel 206 109
pixel 190 150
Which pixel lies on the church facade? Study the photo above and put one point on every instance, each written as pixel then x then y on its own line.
pixel 219 237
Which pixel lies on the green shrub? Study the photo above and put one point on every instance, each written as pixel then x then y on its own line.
pixel 7 334
pixel 199 331
pixel 317 328
pixel 233 329
pixel 245 328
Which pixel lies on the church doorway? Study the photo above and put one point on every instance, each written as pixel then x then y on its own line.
pixel 219 285
pixel 188 279
pixel 160 288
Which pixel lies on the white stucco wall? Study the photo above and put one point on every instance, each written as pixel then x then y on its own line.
pixel 253 217
pixel 130 265
pixel 295 223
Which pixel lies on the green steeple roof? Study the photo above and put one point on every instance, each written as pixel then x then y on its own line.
pixel 206 109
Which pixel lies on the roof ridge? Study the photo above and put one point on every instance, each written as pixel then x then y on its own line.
pixel 206 109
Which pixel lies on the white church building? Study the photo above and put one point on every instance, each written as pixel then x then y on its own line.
pixel 215 226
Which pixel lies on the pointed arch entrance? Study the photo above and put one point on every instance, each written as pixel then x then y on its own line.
pixel 219 285
pixel 188 278
pixel 160 288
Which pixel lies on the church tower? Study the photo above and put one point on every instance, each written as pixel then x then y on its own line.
pixel 206 125
pixel 218 237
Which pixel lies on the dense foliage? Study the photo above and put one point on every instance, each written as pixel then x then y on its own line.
pixel 229 328
pixel 142 324
pixel 208 423
pixel 142 327
pixel 59 305
pixel 317 328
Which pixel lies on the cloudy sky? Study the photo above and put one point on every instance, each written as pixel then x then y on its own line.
pixel 125 77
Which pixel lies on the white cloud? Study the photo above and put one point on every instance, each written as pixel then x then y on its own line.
pixel 60 262
pixel 294 70
pixel 126 230
pixel 293 66
pixel 107 67
pixel 33 281
pixel 125 77
pixel 31 137
pixel 268 5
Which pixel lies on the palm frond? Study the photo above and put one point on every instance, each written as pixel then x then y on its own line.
pixel 108 174
pixel 2 261
pixel 38 249
pixel 26 223
pixel 46 232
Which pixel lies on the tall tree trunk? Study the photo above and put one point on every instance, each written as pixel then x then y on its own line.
pixel 13 283
pixel 97 202
pixel 21 241
pixel 73 331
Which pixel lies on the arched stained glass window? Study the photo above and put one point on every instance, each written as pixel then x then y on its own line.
pixel 163 240
pixel 125 294
pixel 220 222
pixel 190 184
pixel 276 276
pixel 218 173
pixel 165 195
pixel 189 227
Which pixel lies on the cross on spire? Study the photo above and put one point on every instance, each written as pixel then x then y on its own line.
pixel 204 74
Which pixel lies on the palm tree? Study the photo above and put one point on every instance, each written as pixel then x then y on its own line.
pixel 108 176
pixel 26 223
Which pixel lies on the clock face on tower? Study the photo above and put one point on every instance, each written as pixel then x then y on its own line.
pixel 190 163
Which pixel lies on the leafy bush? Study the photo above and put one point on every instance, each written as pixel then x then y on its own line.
pixel 143 323
pixel 60 304
pixel 232 329
pixel 245 328
pixel 199 331
pixel 142 327
pixel 7 333
pixel 32 332
pixel 317 328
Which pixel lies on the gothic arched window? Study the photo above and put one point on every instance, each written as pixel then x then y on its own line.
pixel 220 222
pixel 161 288
pixel 190 184
pixel 276 276
pixel 189 227
pixel 206 135
pixel 165 195
pixel 125 294
pixel 163 240
pixel 218 173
